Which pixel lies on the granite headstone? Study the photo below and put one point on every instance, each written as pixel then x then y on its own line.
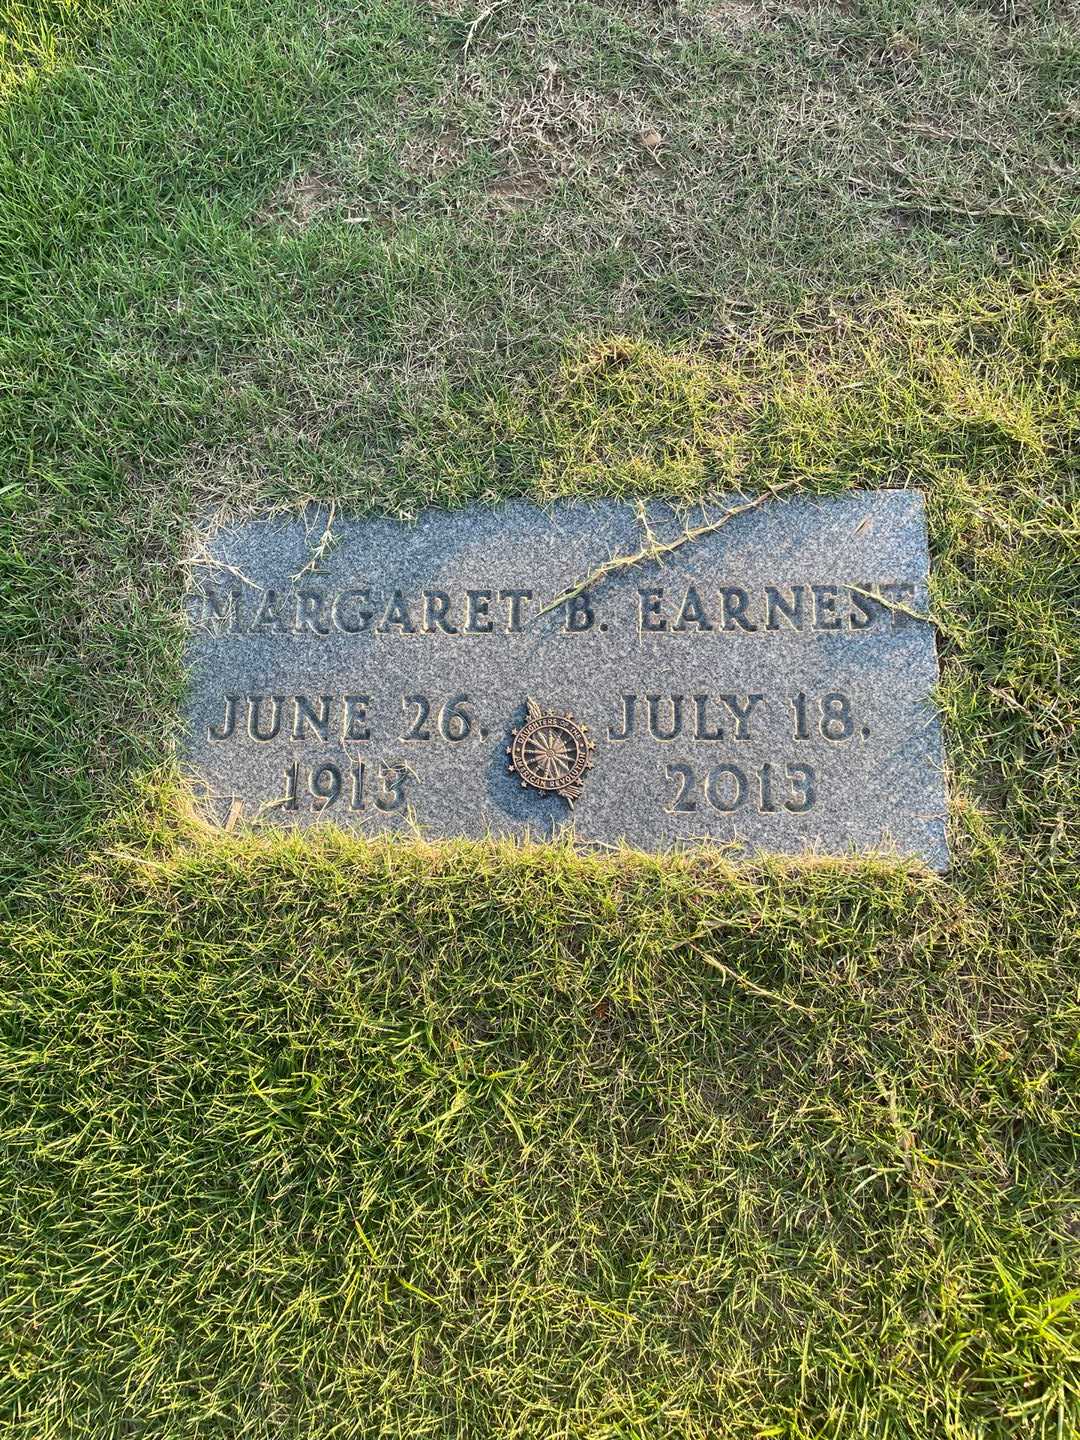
pixel 758 675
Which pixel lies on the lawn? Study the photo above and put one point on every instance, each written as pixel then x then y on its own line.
pixel 325 1137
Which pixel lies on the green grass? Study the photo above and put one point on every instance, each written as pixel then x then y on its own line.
pixel 365 1140
pixel 332 1138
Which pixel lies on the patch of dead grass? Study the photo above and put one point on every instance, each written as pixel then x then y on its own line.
pixel 735 17
pixel 433 154
pixel 518 192
pixel 299 200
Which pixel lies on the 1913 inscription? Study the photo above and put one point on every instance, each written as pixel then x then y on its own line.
pixel 767 684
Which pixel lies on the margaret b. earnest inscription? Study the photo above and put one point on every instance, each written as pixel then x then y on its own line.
pixel 768 683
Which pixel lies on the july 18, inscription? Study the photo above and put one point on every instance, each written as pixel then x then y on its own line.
pixel 766 684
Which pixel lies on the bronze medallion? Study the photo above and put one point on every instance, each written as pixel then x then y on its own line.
pixel 551 752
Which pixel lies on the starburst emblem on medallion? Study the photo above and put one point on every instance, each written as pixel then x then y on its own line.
pixel 551 752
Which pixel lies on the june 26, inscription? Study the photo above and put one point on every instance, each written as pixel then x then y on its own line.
pixel 768 684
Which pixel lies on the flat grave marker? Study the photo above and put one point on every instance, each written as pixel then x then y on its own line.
pixel 765 684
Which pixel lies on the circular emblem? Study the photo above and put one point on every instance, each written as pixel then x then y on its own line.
pixel 551 752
